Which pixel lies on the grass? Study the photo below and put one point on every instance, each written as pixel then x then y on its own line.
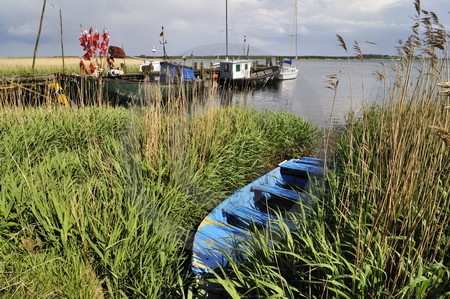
pixel 20 66
pixel 380 229
pixel 98 201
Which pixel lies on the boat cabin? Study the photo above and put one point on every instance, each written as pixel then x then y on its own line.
pixel 150 66
pixel 238 69
pixel 173 74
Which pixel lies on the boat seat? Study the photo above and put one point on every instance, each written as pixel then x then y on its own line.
pixel 304 170
pixel 282 199
pixel 243 217
pixel 278 191
pixel 314 161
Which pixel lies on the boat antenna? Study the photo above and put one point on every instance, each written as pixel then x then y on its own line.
pixel 163 42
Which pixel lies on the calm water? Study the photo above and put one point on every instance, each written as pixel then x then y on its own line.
pixel 308 95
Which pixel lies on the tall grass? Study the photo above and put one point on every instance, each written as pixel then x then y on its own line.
pixel 100 201
pixel 397 191
pixel 381 229
pixel 21 66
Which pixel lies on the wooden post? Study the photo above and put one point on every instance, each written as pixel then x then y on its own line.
pixel 38 35
pixel 202 71
pixel 62 42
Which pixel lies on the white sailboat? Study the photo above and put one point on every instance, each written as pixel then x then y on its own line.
pixel 289 72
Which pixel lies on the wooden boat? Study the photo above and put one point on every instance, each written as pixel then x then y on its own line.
pixel 32 90
pixel 173 80
pixel 444 88
pixel 242 73
pixel 138 88
pixel 221 234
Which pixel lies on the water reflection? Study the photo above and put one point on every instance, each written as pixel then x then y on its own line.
pixel 310 97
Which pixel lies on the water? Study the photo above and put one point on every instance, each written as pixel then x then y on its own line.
pixel 310 97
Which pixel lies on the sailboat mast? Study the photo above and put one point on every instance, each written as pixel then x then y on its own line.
pixel 294 32
pixel 226 29
pixel 296 27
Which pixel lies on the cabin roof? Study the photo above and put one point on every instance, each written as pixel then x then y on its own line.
pixel 236 61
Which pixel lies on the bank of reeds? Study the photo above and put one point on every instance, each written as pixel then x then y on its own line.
pixel 21 66
pixel 100 202
pixel 381 227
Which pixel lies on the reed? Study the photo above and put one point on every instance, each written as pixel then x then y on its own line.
pixel 398 196
pixel 97 201
pixel 380 229
pixel 20 66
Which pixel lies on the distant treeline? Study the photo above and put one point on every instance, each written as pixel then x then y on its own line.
pixel 365 56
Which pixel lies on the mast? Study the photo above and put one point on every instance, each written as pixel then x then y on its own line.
pixel 163 43
pixel 294 32
pixel 226 29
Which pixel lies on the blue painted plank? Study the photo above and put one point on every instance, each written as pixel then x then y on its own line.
pixel 243 216
pixel 305 170
pixel 214 244
pixel 278 191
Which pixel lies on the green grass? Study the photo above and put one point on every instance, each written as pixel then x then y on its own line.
pixel 380 227
pixel 97 201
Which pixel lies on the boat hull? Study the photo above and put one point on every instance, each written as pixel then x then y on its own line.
pixel 32 91
pixel 259 77
pixel 126 90
pixel 222 234
pixel 287 73
pixel 144 92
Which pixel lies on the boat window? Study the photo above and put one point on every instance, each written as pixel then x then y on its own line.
pixel 226 68
pixel 238 67
pixel 246 66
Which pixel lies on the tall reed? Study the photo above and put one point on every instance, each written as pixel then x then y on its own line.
pixel 98 201
pixel 381 229
pixel 398 185
pixel 21 66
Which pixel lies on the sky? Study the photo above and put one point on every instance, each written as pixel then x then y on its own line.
pixel 192 26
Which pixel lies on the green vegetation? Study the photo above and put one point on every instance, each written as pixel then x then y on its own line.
pixel 97 201
pixel 100 202
pixel 21 66
pixel 380 227
pixel 379 230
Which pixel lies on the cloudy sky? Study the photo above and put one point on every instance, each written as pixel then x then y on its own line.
pixel 267 25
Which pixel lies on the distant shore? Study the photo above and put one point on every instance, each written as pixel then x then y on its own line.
pixel 145 57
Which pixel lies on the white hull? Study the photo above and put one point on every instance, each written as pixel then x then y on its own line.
pixel 287 73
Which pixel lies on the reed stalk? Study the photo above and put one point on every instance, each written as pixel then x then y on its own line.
pixel 97 201
pixel 380 229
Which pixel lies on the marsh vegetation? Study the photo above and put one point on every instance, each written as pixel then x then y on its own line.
pixel 99 201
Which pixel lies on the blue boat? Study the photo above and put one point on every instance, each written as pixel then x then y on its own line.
pixel 220 235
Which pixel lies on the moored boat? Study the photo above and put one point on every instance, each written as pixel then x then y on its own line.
pixel 287 72
pixel 137 88
pixel 222 233
pixel 242 73
pixel 32 90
